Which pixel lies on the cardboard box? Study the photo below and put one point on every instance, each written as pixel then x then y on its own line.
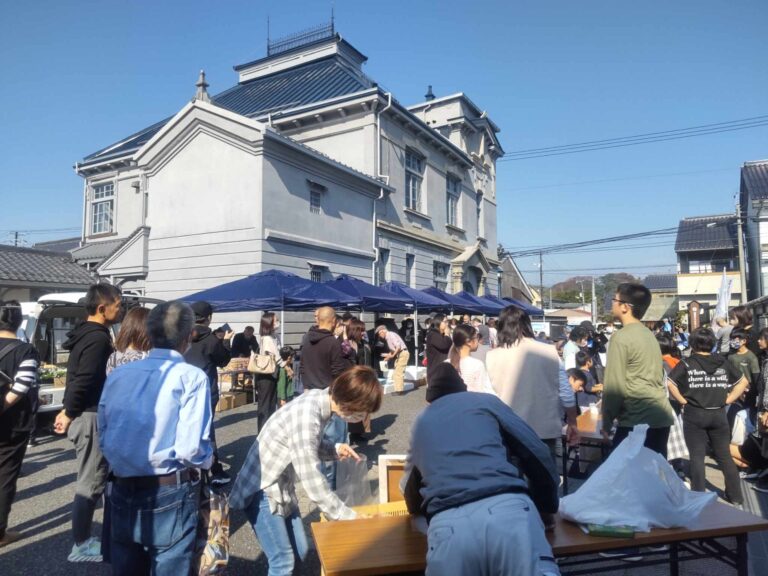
pixel 59 381
pixel 230 400
pixel 241 399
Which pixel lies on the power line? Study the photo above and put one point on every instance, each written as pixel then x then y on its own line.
pixel 647 138
pixel 582 182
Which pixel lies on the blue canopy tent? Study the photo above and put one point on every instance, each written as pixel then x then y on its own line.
pixel 483 304
pixel 454 302
pixel 371 298
pixel 271 290
pixel 527 308
pixel 421 301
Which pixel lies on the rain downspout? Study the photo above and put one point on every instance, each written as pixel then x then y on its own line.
pixel 85 204
pixel 378 175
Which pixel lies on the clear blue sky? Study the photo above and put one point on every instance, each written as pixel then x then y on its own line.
pixel 79 75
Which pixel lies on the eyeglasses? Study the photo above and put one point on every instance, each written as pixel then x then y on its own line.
pixel 623 302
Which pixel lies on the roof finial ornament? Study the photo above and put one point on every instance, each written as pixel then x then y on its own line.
pixel 202 89
pixel 429 95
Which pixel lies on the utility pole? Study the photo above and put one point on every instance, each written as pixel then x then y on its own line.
pixel 16 238
pixel 742 266
pixel 541 279
pixel 594 303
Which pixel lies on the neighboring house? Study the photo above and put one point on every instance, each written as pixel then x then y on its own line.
pixel 753 204
pixel 705 246
pixel 664 302
pixel 26 273
pixel 63 245
pixel 513 284
pixel 305 165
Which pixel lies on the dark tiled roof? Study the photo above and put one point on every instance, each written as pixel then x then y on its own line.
pixel 97 250
pixel 28 265
pixel 63 245
pixel 707 233
pixel 312 82
pixel 754 180
pixel 661 282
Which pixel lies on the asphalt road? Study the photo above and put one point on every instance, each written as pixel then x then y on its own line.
pixel 45 490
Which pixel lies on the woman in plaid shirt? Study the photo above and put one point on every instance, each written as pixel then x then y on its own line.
pixel 290 447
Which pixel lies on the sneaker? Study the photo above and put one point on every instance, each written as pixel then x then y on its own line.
pixel 9 537
pixel 624 554
pixel 220 478
pixel 88 551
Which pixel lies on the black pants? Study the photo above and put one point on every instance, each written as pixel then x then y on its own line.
pixel 702 427
pixel 266 388
pixel 655 439
pixel 12 451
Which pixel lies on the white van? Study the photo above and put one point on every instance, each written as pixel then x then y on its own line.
pixel 46 326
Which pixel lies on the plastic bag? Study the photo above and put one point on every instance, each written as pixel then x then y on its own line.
pixel 352 484
pixel 213 532
pixel 635 487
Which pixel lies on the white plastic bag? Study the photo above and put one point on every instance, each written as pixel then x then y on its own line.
pixel 352 484
pixel 635 487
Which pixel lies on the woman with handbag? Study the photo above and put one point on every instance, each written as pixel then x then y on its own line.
pixel 361 356
pixel 266 366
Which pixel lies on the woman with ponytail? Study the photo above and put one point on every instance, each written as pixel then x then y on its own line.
pixel 472 371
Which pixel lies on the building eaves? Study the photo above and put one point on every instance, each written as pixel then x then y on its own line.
pixel 301 48
pixel 754 179
pixel 97 250
pixel 19 265
pixel 716 232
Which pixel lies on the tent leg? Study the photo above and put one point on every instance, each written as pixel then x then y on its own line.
pixel 416 335
pixel 282 329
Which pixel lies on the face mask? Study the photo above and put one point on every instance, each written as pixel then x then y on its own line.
pixel 735 344
pixel 353 417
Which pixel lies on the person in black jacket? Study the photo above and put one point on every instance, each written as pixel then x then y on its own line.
pixel 90 346
pixel 245 343
pixel 438 343
pixel 18 403
pixel 321 356
pixel 209 353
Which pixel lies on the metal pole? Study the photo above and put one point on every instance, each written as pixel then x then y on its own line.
pixel 416 334
pixel 742 271
pixel 594 303
pixel 541 279
pixel 282 329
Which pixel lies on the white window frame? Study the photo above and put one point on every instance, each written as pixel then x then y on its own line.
pixel 440 271
pixel 317 272
pixel 102 200
pixel 480 214
pixel 414 177
pixel 316 193
pixel 452 200
pixel 383 265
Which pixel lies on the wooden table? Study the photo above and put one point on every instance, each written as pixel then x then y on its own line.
pixel 390 545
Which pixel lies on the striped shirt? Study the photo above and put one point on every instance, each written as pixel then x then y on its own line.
pixel 20 365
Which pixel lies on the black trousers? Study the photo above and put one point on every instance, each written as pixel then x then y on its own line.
pixel 700 428
pixel 655 439
pixel 12 452
pixel 266 388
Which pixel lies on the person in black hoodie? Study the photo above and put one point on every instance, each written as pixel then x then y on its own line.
pixel 704 384
pixel 209 353
pixel 321 356
pixel 18 403
pixel 90 346
pixel 438 343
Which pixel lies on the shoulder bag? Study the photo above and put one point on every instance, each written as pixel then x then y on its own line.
pixel 262 363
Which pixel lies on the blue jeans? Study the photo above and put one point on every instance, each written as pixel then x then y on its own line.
pixel 153 530
pixel 282 538
pixel 336 432
pixel 499 535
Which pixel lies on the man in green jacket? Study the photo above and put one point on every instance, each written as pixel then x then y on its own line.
pixel 634 388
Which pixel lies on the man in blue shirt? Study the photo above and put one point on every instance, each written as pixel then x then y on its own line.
pixel 482 477
pixel 154 419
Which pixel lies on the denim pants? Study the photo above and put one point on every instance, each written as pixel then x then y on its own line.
pixel 501 535
pixel 153 530
pixel 335 432
pixel 282 538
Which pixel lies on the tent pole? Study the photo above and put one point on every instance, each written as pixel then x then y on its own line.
pixel 282 329
pixel 416 334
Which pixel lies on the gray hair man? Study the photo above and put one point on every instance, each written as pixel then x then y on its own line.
pixel 154 420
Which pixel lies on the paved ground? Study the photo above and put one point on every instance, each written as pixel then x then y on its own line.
pixel 45 491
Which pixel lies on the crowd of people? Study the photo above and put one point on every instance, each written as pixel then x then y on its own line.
pixel 139 412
